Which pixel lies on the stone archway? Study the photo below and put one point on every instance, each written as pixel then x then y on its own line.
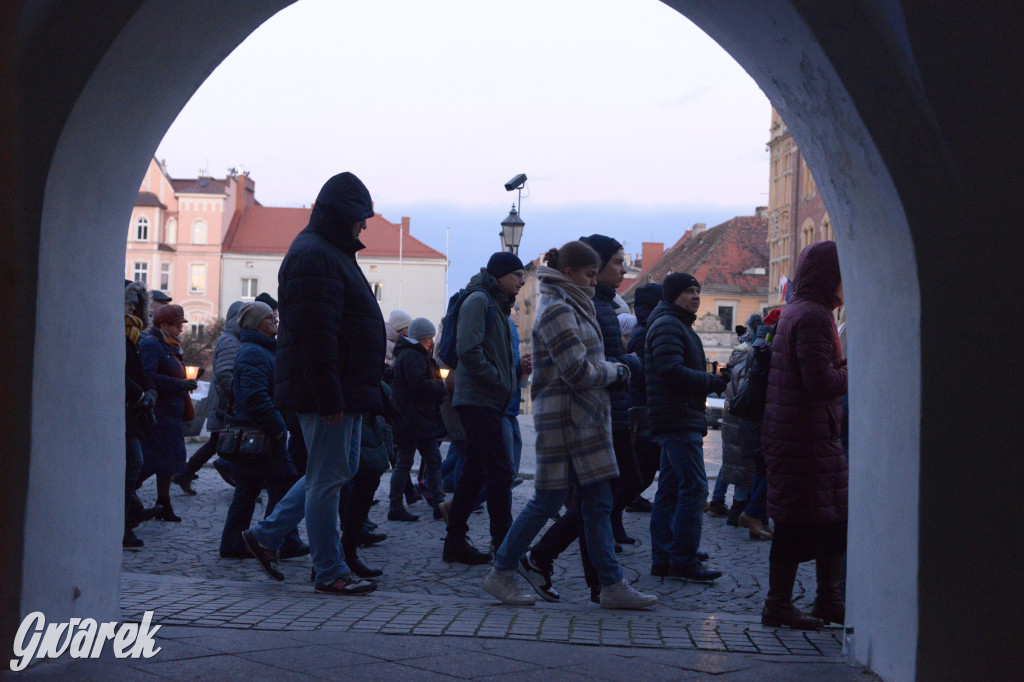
pixel 849 85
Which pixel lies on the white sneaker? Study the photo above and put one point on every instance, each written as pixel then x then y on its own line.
pixel 505 587
pixel 623 596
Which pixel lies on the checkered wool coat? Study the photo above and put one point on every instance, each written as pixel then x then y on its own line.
pixel 571 406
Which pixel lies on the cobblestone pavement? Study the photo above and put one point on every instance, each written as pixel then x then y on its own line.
pixel 180 576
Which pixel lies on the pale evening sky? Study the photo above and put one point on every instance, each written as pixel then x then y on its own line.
pixel 627 119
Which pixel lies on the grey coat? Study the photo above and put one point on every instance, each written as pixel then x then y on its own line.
pixel 224 352
pixel 486 374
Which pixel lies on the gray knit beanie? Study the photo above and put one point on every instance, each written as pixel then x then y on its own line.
pixel 421 328
pixel 252 314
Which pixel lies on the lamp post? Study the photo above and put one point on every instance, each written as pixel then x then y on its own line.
pixel 511 231
pixel 512 226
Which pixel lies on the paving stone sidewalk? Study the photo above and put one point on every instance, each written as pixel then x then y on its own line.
pixel 179 576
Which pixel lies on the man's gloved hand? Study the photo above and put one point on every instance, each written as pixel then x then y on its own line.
pixel 148 400
pixel 726 372
pixel 718 383
pixel 189 385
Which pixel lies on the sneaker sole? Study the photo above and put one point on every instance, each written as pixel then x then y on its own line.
pixel 629 605
pixel 524 601
pixel 530 576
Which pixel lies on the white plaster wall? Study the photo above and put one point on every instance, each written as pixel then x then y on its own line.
pixel 421 282
pixel 74 505
pixel 879 264
pixel 233 269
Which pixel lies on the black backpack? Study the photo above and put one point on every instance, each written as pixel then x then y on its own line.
pixel 753 389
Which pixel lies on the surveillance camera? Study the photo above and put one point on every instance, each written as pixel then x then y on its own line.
pixel 516 183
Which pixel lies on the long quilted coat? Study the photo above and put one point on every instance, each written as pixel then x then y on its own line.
pixel 807 472
pixel 571 406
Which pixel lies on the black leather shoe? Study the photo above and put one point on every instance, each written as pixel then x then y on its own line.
pixel 402 514
pixel 464 553
pixel 294 552
pixel 143 515
pixel 367 539
pixel 361 569
pixel 693 571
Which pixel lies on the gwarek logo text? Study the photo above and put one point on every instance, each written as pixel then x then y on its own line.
pixel 81 638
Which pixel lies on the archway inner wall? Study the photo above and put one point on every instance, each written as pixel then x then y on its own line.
pixel 168 48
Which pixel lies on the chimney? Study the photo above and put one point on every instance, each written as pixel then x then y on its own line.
pixel 698 228
pixel 761 212
pixel 651 253
pixel 405 224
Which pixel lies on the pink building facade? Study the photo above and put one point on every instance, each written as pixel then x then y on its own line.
pixel 176 233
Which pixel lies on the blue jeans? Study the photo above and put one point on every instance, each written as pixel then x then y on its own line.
pixel 451 467
pixel 739 492
pixel 597 507
pixel 513 439
pixel 757 504
pixel 677 513
pixel 316 495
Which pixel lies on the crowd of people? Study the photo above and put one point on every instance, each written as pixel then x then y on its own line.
pixel 316 396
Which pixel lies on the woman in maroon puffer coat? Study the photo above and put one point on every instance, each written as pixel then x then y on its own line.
pixel 807 470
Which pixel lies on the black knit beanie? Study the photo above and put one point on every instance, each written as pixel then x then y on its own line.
pixel 677 283
pixel 502 263
pixel 268 299
pixel 606 247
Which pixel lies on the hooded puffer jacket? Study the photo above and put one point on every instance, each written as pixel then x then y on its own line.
pixel 331 343
pixel 224 352
pixel 645 299
pixel 417 392
pixel 737 468
pixel 807 472
pixel 677 383
pixel 604 306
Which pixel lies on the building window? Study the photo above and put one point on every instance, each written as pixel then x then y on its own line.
pixel 141 273
pixel 826 230
pixel 142 229
pixel 249 287
pixel 199 231
pixel 726 314
pixel 172 231
pixel 197 279
pixel 165 276
pixel 378 290
pixel 807 233
pixel 197 325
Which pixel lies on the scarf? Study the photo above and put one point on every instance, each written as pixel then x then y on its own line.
pixel 172 340
pixel 579 296
pixel 132 327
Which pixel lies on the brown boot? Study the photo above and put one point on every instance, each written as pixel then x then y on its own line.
pixel 758 529
pixel 829 605
pixel 778 606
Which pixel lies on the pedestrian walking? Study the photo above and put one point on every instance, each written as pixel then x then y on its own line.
pixel 646 449
pixel 677 389
pixel 801 431
pixel 417 392
pixel 163 448
pixel 572 415
pixel 485 379
pixel 329 365
pixel 252 388
pixel 139 401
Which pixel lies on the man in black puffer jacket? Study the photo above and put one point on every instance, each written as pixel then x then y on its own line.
pixel 677 388
pixel 329 364
pixel 646 449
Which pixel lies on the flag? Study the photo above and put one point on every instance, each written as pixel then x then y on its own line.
pixel 785 289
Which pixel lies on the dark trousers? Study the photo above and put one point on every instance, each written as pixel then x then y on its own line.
pixel 354 506
pixel 248 484
pixel 430 453
pixel 629 484
pixel 132 466
pixel 648 455
pixel 204 454
pixel 486 462
pixel 557 539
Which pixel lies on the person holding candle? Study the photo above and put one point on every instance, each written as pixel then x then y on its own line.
pixel 163 448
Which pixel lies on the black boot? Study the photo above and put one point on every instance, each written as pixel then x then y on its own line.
pixel 734 512
pixel 353 562
pixel 778 607
pixel 168 512
pixel 618 531
pixel 138 513
pixel 401 514
pixel 829 605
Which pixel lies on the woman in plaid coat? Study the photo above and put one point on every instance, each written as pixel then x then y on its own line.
pixel 572 415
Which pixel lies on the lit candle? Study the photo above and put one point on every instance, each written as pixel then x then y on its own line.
pixel 191 372
pixel 444 373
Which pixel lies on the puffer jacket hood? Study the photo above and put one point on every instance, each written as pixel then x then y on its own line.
pixel 231 321
pixel 817 274
pixel 405 343
pixel 136 301
pixel 342 201
pixel 645 299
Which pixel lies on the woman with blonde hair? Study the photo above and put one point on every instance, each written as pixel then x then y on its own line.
pixel 572 416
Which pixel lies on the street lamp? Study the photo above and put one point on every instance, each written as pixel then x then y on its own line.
pixel 512 226
pixel 511 231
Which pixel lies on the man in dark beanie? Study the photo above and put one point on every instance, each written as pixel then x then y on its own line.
pixel 485 379
pixel 677 389
pixel 328 368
